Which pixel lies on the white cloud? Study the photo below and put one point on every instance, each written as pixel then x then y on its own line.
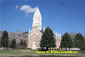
pixel 17 6
pixel 27 9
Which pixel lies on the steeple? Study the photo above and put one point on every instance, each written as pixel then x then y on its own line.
pixel 37 19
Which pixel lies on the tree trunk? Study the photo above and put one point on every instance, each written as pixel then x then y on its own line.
pixel 46 48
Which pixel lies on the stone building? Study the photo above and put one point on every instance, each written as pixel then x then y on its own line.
pixel 34 36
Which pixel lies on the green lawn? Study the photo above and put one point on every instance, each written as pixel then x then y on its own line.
pixel 32 53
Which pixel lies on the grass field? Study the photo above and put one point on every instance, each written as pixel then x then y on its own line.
pixel 32 53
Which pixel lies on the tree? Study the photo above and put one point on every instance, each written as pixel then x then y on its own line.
pixel 21 43
pixel 24 44
pixel 79 41
pixel 47 40
pixel 4 39
pixel 13 44
pixel 66 41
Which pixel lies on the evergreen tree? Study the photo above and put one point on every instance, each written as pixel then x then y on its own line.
pixel 79 41
pixel 47 40
pixel 66 41
pixel 4 39
pixel 13 44
pixel 24 44
pixel 21 43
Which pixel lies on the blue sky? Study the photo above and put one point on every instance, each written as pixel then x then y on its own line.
pixel 60 15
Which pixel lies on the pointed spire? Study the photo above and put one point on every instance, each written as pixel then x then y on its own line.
pixel 29 31
pixel 17 30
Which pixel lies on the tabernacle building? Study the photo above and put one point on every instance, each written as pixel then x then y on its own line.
pixel 34 36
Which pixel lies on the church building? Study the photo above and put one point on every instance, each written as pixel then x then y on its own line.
pixel 34 36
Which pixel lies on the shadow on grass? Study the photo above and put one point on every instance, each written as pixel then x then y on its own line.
pixel 44 56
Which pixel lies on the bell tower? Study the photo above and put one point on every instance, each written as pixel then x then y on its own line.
pixel 37 19
pixel 35 35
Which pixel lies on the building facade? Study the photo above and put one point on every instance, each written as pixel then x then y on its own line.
pixel 34 36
